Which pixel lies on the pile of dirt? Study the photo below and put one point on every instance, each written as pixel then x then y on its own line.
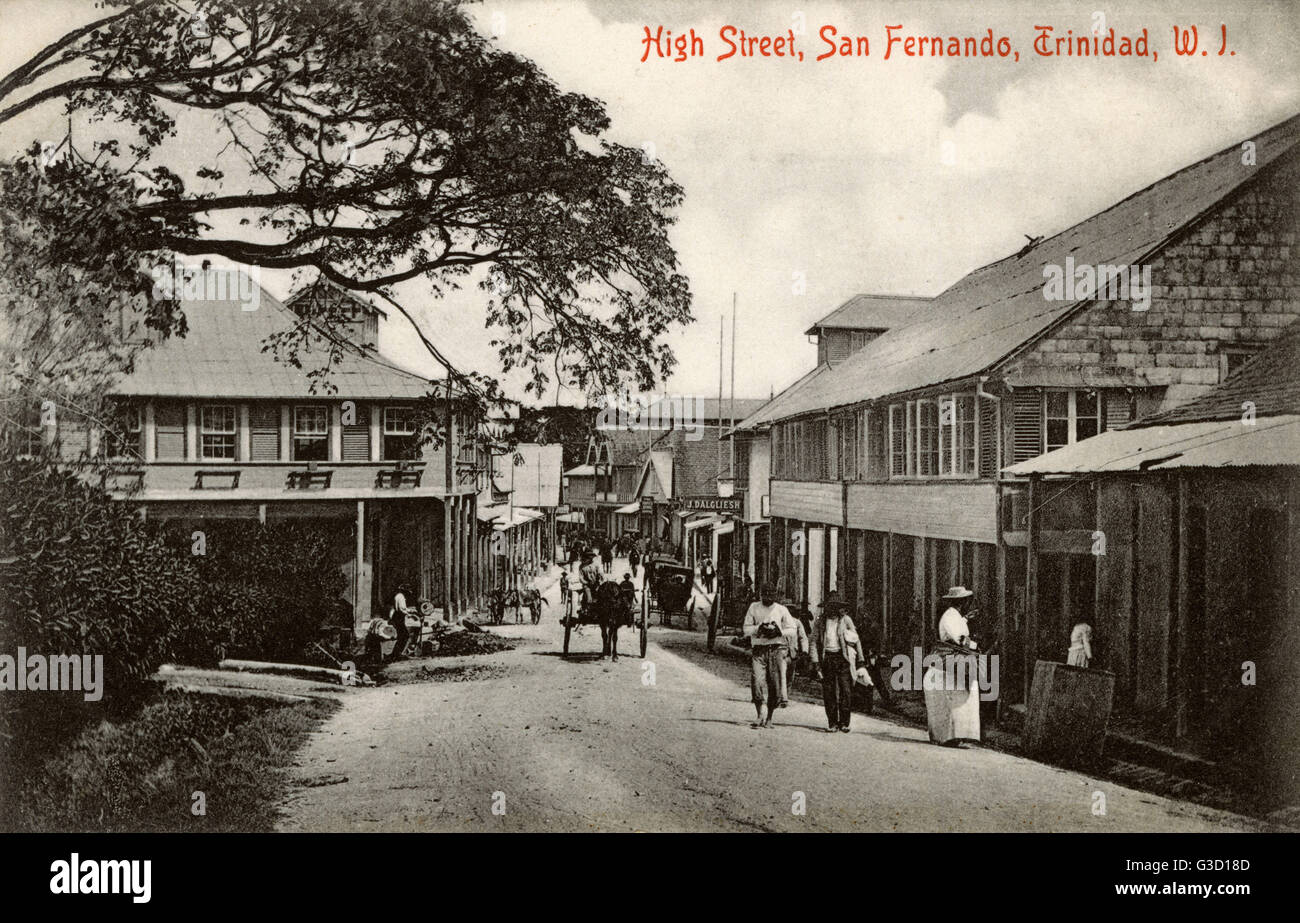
pixel 457 642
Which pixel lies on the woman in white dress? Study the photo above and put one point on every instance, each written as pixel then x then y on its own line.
pixel 951 683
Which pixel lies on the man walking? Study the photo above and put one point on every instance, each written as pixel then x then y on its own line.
pixel 768 625
pixel 835 650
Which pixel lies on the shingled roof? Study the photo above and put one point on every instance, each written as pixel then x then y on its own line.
pixel 874 312
pixel 222 356
pixel 988 315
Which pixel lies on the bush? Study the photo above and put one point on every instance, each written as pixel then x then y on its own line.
pixel 265 591
pixel 83 574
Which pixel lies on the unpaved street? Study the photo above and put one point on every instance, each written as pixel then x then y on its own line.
pixel 579 744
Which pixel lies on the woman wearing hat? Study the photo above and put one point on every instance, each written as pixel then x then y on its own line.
pixel 952 701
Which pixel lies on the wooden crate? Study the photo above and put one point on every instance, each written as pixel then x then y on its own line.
pixel 1069 708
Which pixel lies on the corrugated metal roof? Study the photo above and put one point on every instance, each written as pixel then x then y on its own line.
pixel 874 312
pixel 222 356
pixel 1268 441
pixel 990 313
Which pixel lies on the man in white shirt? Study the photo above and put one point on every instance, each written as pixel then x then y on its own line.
pixel 769 627
pixel 836 650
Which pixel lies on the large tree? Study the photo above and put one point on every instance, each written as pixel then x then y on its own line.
pixel 374 141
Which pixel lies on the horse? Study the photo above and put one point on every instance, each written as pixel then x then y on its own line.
pixel 608 609
pixel 531 599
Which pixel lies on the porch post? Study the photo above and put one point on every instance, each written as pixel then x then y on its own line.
pixel 361 585
pixel 447 591
pixel 1031 588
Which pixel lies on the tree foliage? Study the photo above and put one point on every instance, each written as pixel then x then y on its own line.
pixel 374 141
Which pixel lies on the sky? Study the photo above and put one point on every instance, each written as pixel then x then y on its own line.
pixel 807 182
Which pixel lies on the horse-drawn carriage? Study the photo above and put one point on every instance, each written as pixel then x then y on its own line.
pixel 671 590
pixel 608 608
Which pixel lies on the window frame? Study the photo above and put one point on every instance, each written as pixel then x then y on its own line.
pixel 297 435
pixel 208 431
pixel 1071 417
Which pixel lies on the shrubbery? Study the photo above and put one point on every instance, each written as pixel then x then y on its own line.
pixel 82 573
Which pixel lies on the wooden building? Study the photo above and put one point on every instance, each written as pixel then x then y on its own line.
pixel 220 427
pixel 886 466
pixel 1187 524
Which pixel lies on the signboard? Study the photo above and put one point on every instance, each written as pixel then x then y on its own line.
pixel 562 509
pixel 712 504
pixel 647 504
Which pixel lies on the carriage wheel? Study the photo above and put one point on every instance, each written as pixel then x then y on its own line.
pixel 645 624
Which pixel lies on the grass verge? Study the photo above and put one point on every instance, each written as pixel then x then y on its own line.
pixel 145 773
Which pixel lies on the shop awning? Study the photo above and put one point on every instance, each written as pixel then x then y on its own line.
pixel 630 509
pixel 575 516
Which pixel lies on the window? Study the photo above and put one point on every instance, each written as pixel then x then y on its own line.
pixel 124 437
pixel 218 432
pixel 30 431
pixel 877 443
pixel 467 443
pixel 1232 360
pixel 311 432
pixel 1070 416
pixel 399 433
pixel 927 438
pixel 897 440
pixel 966 434
pixel 957 434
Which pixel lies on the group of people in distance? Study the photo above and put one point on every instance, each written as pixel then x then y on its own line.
pixel 841 661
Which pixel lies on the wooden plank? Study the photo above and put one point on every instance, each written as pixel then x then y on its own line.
pixel 956 510
pixel 1154 552
pixel 1114 594
pixel 1031 589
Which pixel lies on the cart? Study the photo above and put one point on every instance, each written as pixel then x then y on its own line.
pixel 671 588
pixel 727 613
pixel 578 612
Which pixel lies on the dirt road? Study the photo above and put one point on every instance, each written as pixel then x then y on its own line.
pixel 544 743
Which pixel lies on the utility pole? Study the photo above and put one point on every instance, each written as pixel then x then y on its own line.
pixel 721 333
pixel 732 409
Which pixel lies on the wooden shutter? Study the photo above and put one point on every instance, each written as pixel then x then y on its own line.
pixel 897 439
pixel 1027 424
pixel 1116 407
pixel 264 433
pixel 356 436
pixel 169 432
pixel 989 431
pixel 878 456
